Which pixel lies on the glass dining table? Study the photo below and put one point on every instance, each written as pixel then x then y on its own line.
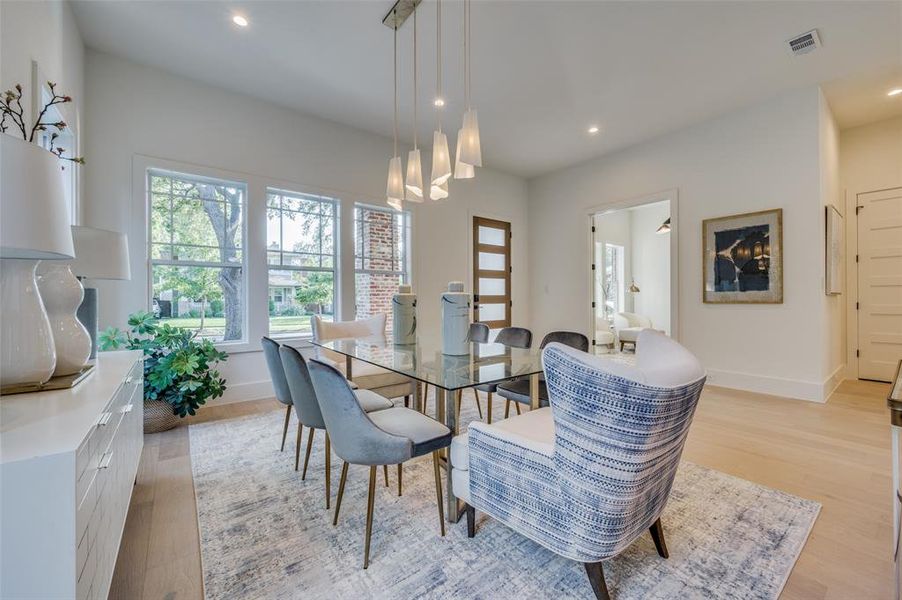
pixel 424 363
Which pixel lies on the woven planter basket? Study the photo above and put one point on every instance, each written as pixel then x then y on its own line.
pixel 158 416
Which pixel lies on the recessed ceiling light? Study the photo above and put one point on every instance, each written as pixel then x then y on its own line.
pixel 439 102
pixel 593 129
pixel 894 92
pixel 239 20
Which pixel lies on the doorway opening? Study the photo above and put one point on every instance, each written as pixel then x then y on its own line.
pixel 633 279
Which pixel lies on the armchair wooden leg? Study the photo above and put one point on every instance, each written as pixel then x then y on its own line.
pixel 297 446
pixel 596 578
pixel 471 520
pixel 517 406
pixel 657 534
pixel 621 346
pixel 407 401
pixel 307 454
pixel 328 470
pixel 438 491
pixel 478 403
pixel 285 429
pixel 488 409
pixel 385 474
pixel 399 479
pixel 341 491
pixel 507 408
pixel 369 517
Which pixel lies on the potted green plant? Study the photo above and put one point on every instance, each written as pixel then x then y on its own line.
pixel 179 369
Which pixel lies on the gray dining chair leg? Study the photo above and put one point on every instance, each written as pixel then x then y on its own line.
pixel 307 455
pixel 478 403
pixel 369 517
pixel 328 470
pixel 507 408
pixel 517 405
pixel 297 446
pixel 399 479
pixel 489 408
pixel 385 474
pixel 285 429
pixel 425 397
pixel 341 491
pixel 438 491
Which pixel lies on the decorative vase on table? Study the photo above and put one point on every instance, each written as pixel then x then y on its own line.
pixel 404 316
pixel 62 294
pixel 34 226
pixel 455 320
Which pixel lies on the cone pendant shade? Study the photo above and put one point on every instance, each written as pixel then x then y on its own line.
pixel 441 161
pixel 439 192
pixel 461 169
pixel 470 149
pixel 395 188
pixel 414 183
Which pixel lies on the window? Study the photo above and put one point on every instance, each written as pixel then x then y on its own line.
pixel 613 284
pixel 381 258
pixel 197 253
pixel 301 252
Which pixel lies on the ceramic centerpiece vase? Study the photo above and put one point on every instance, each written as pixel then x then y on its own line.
pixel 455 320
pixel 62 294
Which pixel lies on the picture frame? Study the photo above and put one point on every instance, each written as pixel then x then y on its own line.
pixel 834 251
pixel 742 258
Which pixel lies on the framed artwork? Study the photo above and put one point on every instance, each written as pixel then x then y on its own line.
pixel 834 252
pixel 742 258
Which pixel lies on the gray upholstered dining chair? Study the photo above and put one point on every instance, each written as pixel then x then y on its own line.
pixel 386 437
pixel 279 384
pixel 307 407
pixel 512 337
pixel 517 391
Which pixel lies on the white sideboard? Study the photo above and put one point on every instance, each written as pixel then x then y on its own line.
pixel 68 461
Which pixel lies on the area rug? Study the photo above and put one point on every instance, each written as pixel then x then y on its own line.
pixel 266 534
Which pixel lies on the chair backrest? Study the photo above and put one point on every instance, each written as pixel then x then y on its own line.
pixel 514 337
pixel 355 438
pixel 628 319
pixel 619 434
pixel 276 371
pixel 568 338
pixel 302 392
pixel 479 332
pixel 324 331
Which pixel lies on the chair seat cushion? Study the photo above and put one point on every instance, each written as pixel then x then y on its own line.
pixel 603 337
pixel 424 432
pixel 518 391
pixel 487 387
pixel 371 401
pixel 534 429
pixel 629 334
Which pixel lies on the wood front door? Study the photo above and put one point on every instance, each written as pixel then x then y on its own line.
pixel 492 272
pixel 879 283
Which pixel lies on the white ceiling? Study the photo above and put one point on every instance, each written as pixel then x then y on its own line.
pixel 543 71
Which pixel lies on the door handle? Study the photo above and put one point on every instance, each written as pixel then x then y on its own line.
pixel 127 408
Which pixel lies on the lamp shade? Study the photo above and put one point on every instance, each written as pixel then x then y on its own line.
pixel 461 169
pixel 395 189
pixel 441 161
pixel 34 217
pixel 414 177
pixel 471 149
pixel 100 254
pixel 439 192
pixel 665 227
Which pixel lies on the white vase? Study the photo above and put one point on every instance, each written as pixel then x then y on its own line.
pixel 455 320
pixel 62 293
pixel 404 321
pixel 27 353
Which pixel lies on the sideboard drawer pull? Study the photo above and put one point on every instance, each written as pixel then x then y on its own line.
pixel 105 461
pixel 127 408
pixel 105 418
pixel 129 380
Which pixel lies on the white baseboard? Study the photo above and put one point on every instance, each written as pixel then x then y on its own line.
pixel 242 392
pixel 832 382
pixel 775 386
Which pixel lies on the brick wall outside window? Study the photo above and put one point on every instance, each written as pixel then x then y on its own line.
pixel 381 260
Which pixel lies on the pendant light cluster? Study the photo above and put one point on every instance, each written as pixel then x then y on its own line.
pixel 468 153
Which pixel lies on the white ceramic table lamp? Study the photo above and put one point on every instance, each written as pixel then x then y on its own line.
pixel 34 226
pixel 99 254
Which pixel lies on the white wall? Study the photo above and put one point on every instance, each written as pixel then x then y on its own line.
pixel 870 158
pixel 138 111
pixel 763 157
pixel 651 263
pixel 45 32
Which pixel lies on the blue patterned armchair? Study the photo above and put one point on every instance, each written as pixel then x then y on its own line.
pixel 588 475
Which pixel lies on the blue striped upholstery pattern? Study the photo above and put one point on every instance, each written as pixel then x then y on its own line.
pixel 607 477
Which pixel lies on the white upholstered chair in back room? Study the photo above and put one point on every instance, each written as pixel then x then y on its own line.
pixel 365 375
pixel 628 327
pixel 604 334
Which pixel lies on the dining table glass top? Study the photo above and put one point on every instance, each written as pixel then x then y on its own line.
pixel 424 361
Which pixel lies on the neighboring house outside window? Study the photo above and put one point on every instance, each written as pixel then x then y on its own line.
pixel 381 258
pixel 301 252
pixel 197 260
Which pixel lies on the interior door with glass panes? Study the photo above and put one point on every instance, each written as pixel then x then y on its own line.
pixel 492 272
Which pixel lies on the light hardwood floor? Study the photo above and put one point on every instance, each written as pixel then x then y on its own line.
pixel 836 453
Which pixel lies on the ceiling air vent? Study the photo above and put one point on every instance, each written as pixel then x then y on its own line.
pixel 804 43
